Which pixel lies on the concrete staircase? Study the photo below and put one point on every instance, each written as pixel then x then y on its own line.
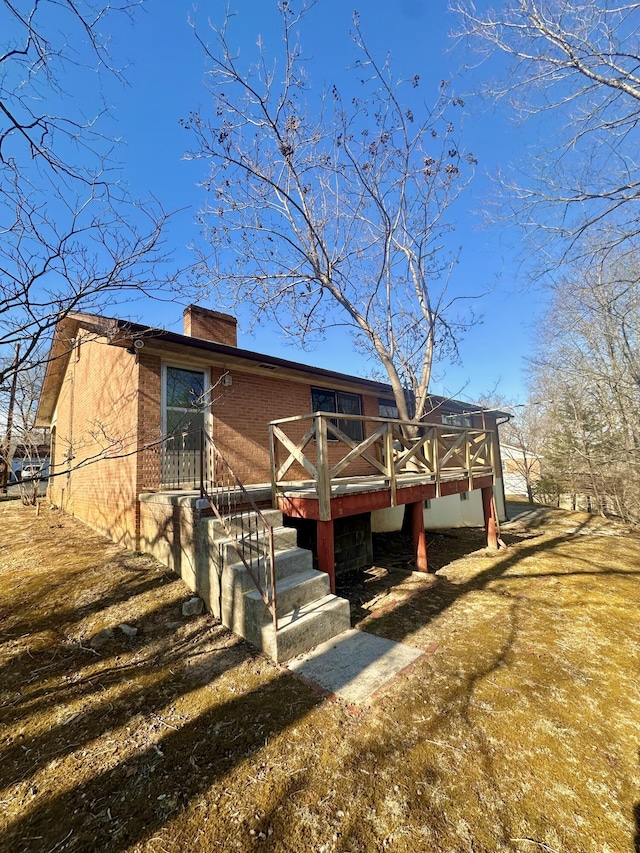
pixel 308 614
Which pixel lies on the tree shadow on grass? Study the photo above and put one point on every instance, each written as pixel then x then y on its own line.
pixel 61 619
pixel 420 608
pixel 130 798
pixel 163 762
pixel 383 789
pixel 67 709
pixel 128 802
pixel 455 700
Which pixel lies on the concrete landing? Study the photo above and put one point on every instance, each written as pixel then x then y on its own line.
pixel 354 665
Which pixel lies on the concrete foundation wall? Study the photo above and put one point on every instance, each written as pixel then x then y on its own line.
pixel 387 520
pixel 352 540
pixel 169 531
pixel 172 530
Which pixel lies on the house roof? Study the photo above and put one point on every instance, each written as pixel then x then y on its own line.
pixel 123 333
pixel 512 448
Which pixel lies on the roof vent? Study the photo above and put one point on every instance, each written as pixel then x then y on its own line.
pixel 267 366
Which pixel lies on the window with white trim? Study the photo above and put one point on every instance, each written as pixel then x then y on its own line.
pixel 184 399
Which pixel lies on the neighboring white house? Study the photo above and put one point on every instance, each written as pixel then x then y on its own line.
pixel 521 468
pixel 462 510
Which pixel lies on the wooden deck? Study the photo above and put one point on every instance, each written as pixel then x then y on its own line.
pixel 392 463
pixel 365 494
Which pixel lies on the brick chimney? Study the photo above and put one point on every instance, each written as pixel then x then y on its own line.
pixel 210 325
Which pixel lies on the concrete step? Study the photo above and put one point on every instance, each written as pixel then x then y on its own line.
pixel 305 628
pixel 246 613
pixel 272 516
pixel 237 581
pixel 293 593
pixel 287 563
pixel 307 613
pixel 284 539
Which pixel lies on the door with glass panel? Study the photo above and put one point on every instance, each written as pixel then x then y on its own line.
pixel 184 417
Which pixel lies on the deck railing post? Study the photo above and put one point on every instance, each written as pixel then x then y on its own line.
pixel 273 457
pixel 467 446
pixel 390 461
pixel 323 484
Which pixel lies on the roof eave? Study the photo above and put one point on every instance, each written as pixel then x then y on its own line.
pixel 128 332
pixel 123 332
pixel 57 360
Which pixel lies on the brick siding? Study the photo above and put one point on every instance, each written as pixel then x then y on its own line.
pixel 110 404
pixel 241 416
pixel 97 414
pixel 101 411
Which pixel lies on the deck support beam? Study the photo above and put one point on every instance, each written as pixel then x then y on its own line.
pixel 490 517
pixel 326 552
pixel 419 536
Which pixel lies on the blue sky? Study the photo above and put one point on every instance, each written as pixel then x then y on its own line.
pixel 165 82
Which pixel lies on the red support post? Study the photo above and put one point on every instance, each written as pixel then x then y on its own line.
pixel 326 552
pixel 490 518
pixel 419 536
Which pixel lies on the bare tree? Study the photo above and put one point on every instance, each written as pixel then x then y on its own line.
pixel 588 362
pixel 332 211
pixel 575 64
pixel 20 439
pixel 70 236
pixel 523 434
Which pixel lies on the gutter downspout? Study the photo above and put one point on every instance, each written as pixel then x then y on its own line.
pixel 504 496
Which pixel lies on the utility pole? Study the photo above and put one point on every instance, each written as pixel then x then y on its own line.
pixel 7 438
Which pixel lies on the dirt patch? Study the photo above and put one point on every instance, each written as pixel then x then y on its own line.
pixel 518 730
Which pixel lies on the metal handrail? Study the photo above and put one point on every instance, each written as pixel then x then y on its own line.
pixel 191 460
pixel 248 530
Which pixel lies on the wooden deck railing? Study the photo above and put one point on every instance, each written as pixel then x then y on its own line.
pixel 396 452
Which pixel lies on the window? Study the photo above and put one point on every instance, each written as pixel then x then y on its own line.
pixel 185 402
pixel 326 400
pixel 387 408
pixel 458 420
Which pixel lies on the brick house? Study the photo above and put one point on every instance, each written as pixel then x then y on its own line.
pixel 114 390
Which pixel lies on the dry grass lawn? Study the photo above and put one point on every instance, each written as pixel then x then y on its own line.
pixel 518 730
